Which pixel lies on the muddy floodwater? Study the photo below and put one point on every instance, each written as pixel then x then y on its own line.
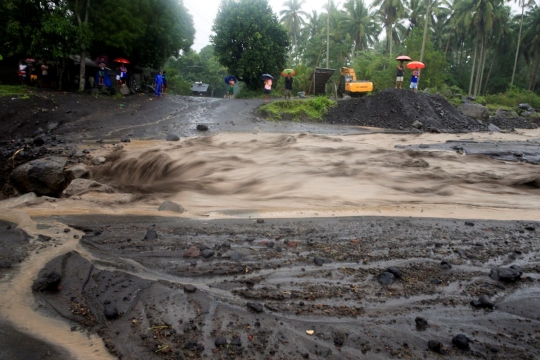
pixel 291 245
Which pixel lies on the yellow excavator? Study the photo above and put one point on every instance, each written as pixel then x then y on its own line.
pixel 348 85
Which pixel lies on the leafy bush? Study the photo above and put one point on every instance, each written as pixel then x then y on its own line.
pixel 514 97
pixel 296 109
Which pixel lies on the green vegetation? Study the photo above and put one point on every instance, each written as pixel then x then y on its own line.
pixel 11 90
pixel 249 40
pixel 298 109
pixel 513 97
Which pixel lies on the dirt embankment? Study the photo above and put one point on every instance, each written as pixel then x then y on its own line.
pixel 400 109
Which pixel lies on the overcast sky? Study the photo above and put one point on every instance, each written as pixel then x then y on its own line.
pixel 204 12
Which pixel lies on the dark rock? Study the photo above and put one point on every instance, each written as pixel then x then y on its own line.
pixel 221 341
pixel 485 302
pixel 270 244
pixel 207 253
pixel 255 306
pixel 202 127
pixel 260 221
pixel 39 141
pixel 172 137
pixel 189 288
pixel 394 270
pixel 436 346
pixel 318 261
pixel 42 237
pixel 110 311
pixel 461 342
pixel 125 139
pixel 5 264
pixel 338 341
pixel 510 274
pixel 421 323
pixel 530 228
pixel 47 281
pixel 42 176
pixel 171 206
pixel 445 265
pixel 236 341
pixel 151 234
pixel 469 223
pixel 436 281
pixel 386 278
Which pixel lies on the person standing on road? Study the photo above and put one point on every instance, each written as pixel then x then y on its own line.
pixel 231 89
pixel 22 72
pixel 44 74
pixel 101 72
pixel 159 84
pixel 288 86
pixel 399 78
pixel 267 89
pixel 414 80
pixel 123 74
pixel 164 76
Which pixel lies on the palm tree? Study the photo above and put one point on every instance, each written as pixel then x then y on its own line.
pixel 522 3
pixel 312 23
pixel 292 17
pixel 531 42
pixel 477 16
pixel 359 24
pixel 391 11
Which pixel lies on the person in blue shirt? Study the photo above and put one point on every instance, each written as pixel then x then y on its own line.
pixel 159 84
pixel 414 79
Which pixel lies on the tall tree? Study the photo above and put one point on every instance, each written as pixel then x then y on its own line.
pixel 531 41
pixel 522 4
pixel 291 18
pixel 391 11
pixel 360 24
pixel 249 40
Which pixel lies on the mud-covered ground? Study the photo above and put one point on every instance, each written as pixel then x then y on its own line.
pixel 292 289
pixel 175 288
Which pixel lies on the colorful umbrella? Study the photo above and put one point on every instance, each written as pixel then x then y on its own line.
pixel 266 76
pixel 416 65
pixel 229 78
pixel 288 72
pixel 29 60
pixel 403 58
pixel 121 60
pixel 102 58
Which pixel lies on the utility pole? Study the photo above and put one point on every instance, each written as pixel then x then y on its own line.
pixel 328 37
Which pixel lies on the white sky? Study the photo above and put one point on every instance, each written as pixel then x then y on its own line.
pixel 204 12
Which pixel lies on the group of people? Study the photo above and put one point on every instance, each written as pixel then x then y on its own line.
pixel 414 78
pixel 37 74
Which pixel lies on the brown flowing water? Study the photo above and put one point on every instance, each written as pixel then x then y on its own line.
pixel 241 175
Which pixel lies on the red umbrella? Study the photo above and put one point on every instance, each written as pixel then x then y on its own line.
pixel 121 60
pixel 416 65
pixel 403 58
pixel 99 59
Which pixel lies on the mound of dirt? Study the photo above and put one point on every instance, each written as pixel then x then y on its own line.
pixel 399 109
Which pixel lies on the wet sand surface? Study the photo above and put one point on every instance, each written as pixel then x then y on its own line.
pixel 285 246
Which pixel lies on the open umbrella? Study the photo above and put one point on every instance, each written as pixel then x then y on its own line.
pixel 121 61
pixel 229 78
pixel 104 57
pixel 403 58
pixel 266 76
pixel 415 65
pixel 287 72
pixel 30 60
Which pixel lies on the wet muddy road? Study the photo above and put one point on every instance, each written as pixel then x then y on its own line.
pixel 278 254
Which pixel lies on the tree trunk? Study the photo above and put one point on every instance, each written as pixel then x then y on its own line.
pixel 489 73
pixel 517 48
pixel 389 38
pixel 473 64
pixel 447 46
pixel 82 71
pixel 425 32
pixel 534 70
pixel 481 62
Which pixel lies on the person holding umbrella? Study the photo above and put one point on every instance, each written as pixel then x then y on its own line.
pixel 267 86
pixel 415 66
pixel 400 69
